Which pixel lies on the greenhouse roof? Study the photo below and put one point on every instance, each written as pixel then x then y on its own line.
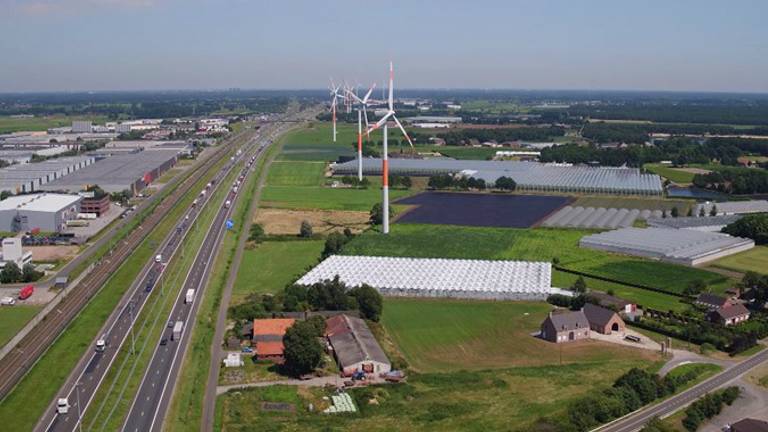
pixel 525 174
pixel 430 274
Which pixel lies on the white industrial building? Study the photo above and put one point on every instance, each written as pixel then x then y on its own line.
pixel 29 177
pixel 82 126
pixel 678 246
pixel 436 277
pixel 12 252
pixel 46 212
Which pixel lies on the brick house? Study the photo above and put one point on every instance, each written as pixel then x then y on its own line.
pixel 565 327
pixel 268 338
pixel 729 315
pixel 603 320
pixel 711 301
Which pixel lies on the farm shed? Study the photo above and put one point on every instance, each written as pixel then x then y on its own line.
pixel 355 347
pixel 432 277
pixel 602 320
pixel 685 247
pixel 529 176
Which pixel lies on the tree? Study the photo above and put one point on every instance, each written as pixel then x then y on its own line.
pixel 695 287
pixel 690 212
pixel 580 285
pixel 5 194
pixel 675 212
pixel 506 184
pixel 334 243
pixel 306 229
pixel 702 212
pixel 10 273
pixel 753 226
pixel 377 214
pixel 29 273
pixel 369 302
pixel 257 233
pixel 656 425
pixel 664 213
pixel 713 211
pixel 302 350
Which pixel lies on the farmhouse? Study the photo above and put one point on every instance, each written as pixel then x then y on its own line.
pixel 711 301
pixel 602 320
pixel 565 327
pixel 729 315
pixel 268 338
pixel 354 346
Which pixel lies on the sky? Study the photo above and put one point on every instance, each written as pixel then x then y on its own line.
pixel 98 45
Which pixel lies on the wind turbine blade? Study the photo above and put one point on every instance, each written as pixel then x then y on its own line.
pixel 381 122
pixel 368 95
pixel 402 129
pixel 391 86
pixel 365 114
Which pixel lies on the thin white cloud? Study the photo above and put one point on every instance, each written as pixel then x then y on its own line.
pixel 44 7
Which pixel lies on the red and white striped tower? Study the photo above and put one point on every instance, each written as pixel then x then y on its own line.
pixel 385 186
pixel 359 145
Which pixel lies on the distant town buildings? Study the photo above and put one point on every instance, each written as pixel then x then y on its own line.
pixel 82 126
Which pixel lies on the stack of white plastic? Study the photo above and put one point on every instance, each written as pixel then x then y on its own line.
pixel 341 403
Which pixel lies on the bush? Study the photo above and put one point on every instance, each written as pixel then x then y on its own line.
pixel 369 301
pixel 750 226
pixel 376 215
pixel 306 229
pixel 708 406
pixel 257 233
pixel 302 348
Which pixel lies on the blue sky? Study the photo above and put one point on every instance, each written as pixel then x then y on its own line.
pixel 74 45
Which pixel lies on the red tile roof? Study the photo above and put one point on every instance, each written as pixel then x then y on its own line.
pixel 272 326
pixel 270 348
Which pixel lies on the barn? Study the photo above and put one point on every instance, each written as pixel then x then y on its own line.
pixel 354 346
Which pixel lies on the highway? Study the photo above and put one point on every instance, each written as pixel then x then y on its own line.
pixel 636 420
pixel 94 366
pixel 155 392
pixel 25 354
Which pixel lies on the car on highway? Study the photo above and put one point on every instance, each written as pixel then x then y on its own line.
pixel 163 341
pixel 158 258
pixel 62 406
pixel 101 345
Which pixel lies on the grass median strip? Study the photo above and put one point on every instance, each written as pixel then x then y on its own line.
pixel 117 391
pixel 186 407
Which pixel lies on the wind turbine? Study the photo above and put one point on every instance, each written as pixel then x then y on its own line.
pixel 361 112
pixel 385 158
pixel 334 102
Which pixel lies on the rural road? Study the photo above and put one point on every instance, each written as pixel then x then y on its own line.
pixel 635 421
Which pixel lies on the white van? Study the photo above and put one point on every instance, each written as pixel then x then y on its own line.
pixel 101 345
pixel 62 406
pixel 159 258
pixel 8 301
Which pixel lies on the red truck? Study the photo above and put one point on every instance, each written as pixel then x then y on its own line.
pixel 26 292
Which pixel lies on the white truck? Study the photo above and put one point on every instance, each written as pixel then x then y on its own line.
pixel 234 189
pixel 158 258
pixel 227 204
pixel 190 296
pixel 177 329
pixel 101 345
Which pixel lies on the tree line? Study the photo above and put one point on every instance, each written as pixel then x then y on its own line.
pixel 734 180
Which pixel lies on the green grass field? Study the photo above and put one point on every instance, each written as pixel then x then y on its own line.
pixel 755 259
pixel 284 173
pixel 327 198
pixel 445 241
pixel 272 265
pixel 645 298
pixel 13 318
pixel 486 364
pixel 452 335
pixel 9 124
pixel 673 174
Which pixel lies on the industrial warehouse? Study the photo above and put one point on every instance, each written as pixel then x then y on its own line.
pixel 678 246
pixel 30 177
pixel 45 212
pixel 529 176
pixel 427 277
pixel 132 171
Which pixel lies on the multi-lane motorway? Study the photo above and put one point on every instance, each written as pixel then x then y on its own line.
pixel 92 369
pixel 635 421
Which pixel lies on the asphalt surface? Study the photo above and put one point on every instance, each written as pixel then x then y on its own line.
pixel 635 421
pixel 17 362
pixel 156 390
pixel 92 371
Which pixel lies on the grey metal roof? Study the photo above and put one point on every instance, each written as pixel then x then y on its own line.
pixel 598 315
pixel 355 343
pixel 114 173
pixel 693 221
pixel 734 207
pixel 568 321
pixel 527 175
pixel 672 245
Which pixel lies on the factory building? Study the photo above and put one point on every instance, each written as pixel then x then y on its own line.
pixel 82 126
pixel 30 177
pixel 44 212
pixel 129 171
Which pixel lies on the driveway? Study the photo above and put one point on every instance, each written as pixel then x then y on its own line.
pixel 752 403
